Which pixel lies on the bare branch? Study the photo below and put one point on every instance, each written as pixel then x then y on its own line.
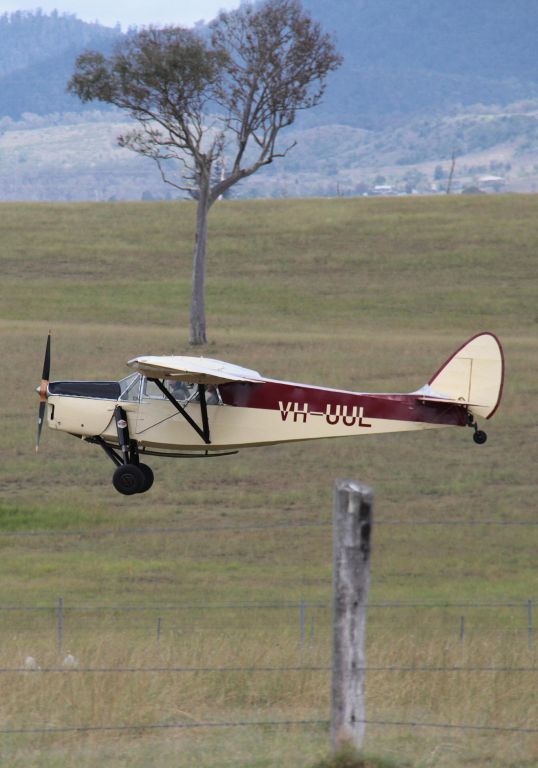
pixel 196 98
pixel 262 64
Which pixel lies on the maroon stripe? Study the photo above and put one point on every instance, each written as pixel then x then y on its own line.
pixel 272 394
pixel 503 369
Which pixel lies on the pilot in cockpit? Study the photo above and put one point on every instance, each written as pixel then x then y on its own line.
pixel 211 395
pixel 180 390
pixel 184 392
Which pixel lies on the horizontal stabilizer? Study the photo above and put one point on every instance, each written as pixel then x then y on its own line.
pixel 448 400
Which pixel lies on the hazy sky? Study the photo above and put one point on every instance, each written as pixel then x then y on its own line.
pixel 128 12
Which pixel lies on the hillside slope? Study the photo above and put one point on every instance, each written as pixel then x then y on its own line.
pixel 422 80
pixel 404 56
pixel 37 55
pixel 400 57
pixel 76 157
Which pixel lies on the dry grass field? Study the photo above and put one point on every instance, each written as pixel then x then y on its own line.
pixel 181 605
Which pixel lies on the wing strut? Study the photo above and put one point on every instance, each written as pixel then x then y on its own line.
pixel 203 408
pixel 204 432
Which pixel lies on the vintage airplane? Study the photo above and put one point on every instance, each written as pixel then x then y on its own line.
pixel 199 407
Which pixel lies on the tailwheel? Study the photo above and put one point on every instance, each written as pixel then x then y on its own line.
pixel 479 436
pixel 129 479
pixel 148 477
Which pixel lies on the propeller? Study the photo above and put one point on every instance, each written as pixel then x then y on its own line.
pixel 43 392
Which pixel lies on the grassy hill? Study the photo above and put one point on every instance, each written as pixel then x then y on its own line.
pixel 369 294
pixel 76 157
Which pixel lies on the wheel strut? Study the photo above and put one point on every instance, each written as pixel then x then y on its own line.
pixel 479 436
pixel 130 476
pixel 122 428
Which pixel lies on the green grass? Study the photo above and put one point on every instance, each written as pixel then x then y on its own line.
pixel 368 294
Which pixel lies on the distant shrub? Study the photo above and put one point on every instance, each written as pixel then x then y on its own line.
pixel 348 757
pixel 473 190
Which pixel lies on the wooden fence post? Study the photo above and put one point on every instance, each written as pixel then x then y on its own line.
pixel 352 525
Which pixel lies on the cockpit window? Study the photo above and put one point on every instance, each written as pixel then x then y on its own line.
pixel 183 392
pixel 130 387
pixel 150 389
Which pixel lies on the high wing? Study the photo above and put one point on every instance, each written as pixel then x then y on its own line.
pixel 194 370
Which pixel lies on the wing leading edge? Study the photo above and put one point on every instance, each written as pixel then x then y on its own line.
pixel 195 370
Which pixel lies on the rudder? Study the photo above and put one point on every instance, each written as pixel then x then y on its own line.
pixel 474 374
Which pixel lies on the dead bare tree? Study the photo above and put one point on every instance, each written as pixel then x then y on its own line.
pixel 197 98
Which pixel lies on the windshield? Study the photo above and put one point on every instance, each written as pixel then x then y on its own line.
pixel 130 387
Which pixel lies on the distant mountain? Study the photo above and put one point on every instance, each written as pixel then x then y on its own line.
pixel 425 85
pixel 401 57
pixel 409 56
pixel 37 55
pixel 493 39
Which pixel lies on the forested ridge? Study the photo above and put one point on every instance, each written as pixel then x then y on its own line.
pixel 422 81
pixel 410 56
pixel 37 54
pixel 400 57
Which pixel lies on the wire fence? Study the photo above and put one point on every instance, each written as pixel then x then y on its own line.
pixel 259 605
pixel 302 669
pixel 493 729
pixel 227 670
pixel 63 618
pixel 314 723
pixel 308 620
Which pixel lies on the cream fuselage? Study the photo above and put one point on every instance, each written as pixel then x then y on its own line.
pixel 195 406
pixel 248 414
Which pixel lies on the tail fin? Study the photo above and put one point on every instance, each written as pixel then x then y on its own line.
pixel 474 374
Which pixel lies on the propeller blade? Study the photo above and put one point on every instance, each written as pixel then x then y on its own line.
pixel 43 392
pixel 40 418
pixel 46 362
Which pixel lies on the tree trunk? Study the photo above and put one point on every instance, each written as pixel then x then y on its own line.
pixel 197 320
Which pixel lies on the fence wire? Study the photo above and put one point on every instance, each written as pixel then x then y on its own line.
pixel 224 670
pixel 326 604
pixel 505 729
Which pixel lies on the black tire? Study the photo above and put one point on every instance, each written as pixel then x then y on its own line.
pixel 128 479
pixel 148 477
pixel 480 437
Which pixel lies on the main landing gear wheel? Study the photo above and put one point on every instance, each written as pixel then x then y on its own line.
pixel 129 479
pixel 480 437
pixel 148 477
